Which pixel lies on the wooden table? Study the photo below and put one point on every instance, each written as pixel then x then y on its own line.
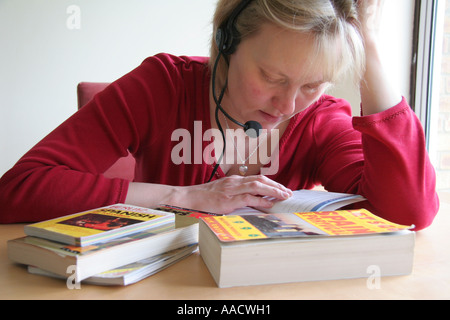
pixel 190 279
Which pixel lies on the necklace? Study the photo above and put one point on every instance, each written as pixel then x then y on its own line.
pixel 243 168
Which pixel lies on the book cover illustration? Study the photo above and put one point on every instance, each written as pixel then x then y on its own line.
pixel 100 224
pixel 304 224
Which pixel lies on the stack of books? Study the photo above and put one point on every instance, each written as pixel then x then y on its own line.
pixel 114 245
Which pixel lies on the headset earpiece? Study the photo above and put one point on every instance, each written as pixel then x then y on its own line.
pixel 221 39
pixel 227 36
pixel 227 40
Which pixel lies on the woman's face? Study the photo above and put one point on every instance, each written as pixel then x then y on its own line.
pixel 271 77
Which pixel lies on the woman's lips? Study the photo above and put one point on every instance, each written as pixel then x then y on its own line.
pixel 270 118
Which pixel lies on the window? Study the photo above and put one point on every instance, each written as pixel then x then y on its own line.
pixel 431 84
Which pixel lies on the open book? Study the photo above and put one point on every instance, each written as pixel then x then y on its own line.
pixel 308 200
pixel 294 243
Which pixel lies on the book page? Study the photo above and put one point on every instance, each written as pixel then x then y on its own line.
pixel 314 200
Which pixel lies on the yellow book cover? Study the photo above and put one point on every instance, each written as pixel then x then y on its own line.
pixel 304 224
pixel 99 224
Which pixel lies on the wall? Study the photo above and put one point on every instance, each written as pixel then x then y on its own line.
pixel 44 55
pixel 42 58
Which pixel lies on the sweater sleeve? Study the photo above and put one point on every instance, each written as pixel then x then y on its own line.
pixel 63 173
pixel 391 167
pixel 399 180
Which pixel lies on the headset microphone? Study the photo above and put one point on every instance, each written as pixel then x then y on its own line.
pixel 251 128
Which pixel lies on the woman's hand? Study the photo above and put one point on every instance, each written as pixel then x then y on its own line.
pixel 377 93
pixel 225 195
pixel 369 13
pixel 220 196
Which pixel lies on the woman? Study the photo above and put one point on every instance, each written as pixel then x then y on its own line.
pixel 285 55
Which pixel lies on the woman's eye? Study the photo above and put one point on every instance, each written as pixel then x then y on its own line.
pixel 270 79
pixel 311 88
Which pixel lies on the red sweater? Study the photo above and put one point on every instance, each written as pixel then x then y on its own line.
pixel 381 156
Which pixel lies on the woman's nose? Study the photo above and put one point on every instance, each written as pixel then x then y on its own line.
pixel 285 101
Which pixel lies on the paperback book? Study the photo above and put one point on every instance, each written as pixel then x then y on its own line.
pixel 130 273
pixel 260 249
pixel 99 225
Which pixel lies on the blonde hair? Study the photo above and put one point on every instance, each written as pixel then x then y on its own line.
pixel 333 24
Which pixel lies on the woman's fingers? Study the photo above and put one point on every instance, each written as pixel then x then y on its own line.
pixel 262 186
pixel 258 186
pixel 249 200
pixel 252 191
pixel 370 12
pixel 230 193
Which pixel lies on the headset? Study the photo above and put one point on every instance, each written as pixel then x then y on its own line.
pixel 227 39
